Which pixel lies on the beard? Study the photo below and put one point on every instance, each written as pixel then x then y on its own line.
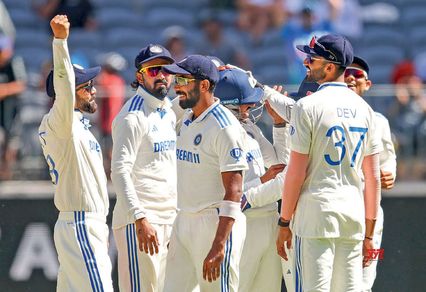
pixel 191 100
pixel 316 75
pixel 161 91
pixel 89 107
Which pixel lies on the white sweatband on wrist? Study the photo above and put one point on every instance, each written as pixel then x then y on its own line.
pixel 230 209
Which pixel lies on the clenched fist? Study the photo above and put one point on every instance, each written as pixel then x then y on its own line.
pixel 60 26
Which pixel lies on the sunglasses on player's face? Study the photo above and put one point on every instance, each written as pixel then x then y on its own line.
pixel 152 71
pixel 182 81
pixel 311 59
pixel 357 73
pixel 88 87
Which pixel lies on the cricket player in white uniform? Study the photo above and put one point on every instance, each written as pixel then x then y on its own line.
pixel 260 266
pixel 209 230
pixel 76 168
pixel 356 77
pixel 143 171
pixel 332 143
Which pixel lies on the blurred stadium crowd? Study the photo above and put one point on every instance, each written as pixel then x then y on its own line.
pixel 258 35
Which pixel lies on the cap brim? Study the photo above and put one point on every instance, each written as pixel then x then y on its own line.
pixel 88 74
pixel 306 49
pixel 361 62
pixel 175 69
pixel 255 97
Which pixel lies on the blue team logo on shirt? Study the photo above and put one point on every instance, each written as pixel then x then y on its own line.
pixel 236 153
pixel 292 130
pixel 197 139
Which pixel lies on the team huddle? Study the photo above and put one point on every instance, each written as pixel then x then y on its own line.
pixel 197 183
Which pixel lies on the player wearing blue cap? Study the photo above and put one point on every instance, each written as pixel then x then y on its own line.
pixel 143 171
pixel 260 266
pixel 333 142
pixel 209 230
pixel 356 76
pixel 76 168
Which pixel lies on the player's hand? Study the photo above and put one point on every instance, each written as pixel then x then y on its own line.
pixel 387 180
pixel 276 118
pixel 60 26
pixel 272 172
pixel 280 89
pixel 147 236
pixel 211 264
pixel 367 245
pixel 284 237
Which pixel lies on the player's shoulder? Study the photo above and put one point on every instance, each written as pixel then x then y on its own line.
pixel 132 108
pixel 222 118
pixel 131 113
pixel 380 116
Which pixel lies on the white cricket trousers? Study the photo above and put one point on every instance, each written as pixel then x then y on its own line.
pixel 81 240
pixel 369 273
pixel 328 264
pixel 260 265
pixel 192 238
pixel 137 270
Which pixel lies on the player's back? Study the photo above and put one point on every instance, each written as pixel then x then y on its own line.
pixel 339 125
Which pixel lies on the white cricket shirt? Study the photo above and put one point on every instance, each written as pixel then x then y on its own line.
pixel 207 146
pixel 143 166
pixel 335 127
pixel 72 152
pixel 387 155
pixel 263 197
pixel 255 160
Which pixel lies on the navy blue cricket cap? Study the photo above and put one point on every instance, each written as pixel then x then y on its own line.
pixel 305 87
pixel 81 76
pixel 234 87
pixel 362 63
pixel 152 52
pixel 201 67
pixel 218 62
pixel 332 47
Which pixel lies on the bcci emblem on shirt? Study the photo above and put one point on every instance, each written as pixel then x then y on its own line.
pixel 197 140
pixel 236 153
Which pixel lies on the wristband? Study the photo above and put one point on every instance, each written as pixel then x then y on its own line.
pixel 283 223
pixel 368 237
pixel 230 209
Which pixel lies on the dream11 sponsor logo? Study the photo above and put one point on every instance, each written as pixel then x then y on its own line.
pixel 375 254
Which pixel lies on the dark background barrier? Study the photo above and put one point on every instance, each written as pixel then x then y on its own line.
pixel 28 258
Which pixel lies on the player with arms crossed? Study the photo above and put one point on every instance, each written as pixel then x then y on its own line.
pixel 143 171
pixel 76 167
pixel 332 140
pixel 209 230
pixel 356 77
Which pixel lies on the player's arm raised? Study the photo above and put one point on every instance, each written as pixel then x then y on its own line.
pixel 63 78
pixel 232 181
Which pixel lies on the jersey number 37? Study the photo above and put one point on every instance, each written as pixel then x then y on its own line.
pixel 341 144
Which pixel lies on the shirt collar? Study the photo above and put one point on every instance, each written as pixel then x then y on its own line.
pixel 82 119
pixel 153 102
pixel 327 84
pixel 207 111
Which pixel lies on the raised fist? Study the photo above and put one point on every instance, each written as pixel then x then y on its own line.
pixel 60 26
